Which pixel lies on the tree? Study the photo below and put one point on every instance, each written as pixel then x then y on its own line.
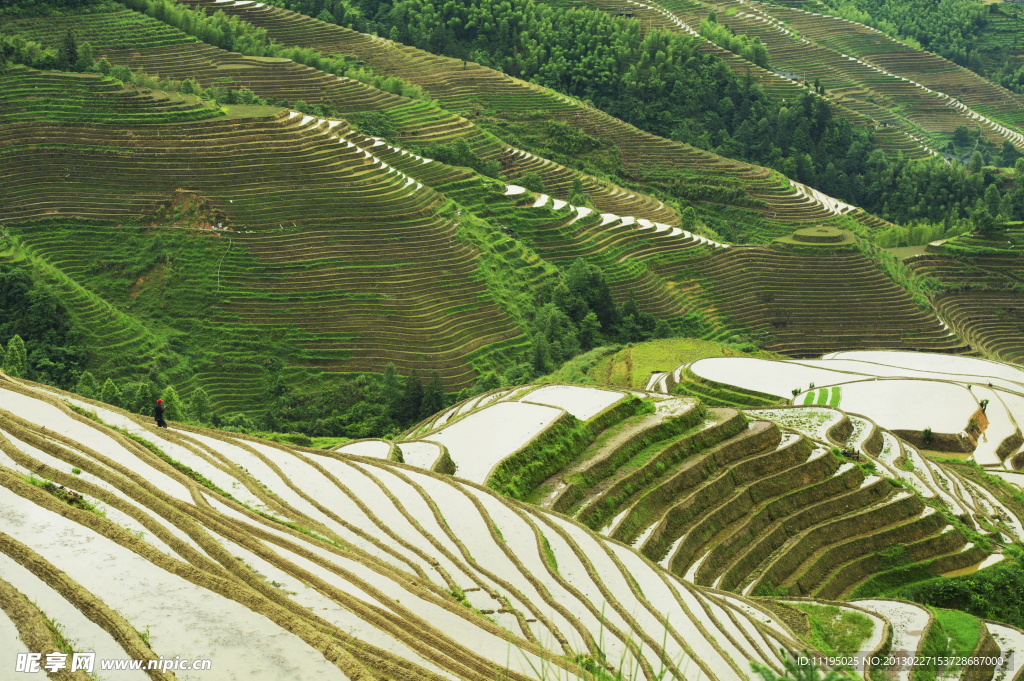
pixel 15 359
pixel 433 396
pixel 983 222
pixel 175 408
pixel 961 136
pixel 540 355
pixel 138 398
pixel 1006 206
pixel 104 66
pixel 976 163
pixel 662 329
pixel 86 58
pixel 992 199
pixel 87 386
pixel 412 398
pixel 199 405
pixel 110 394
pixel 391 391
pixel 533 182
pixel 67 54
pixel 688 218
pixel 590 328
pixel 1009 155
pixel 326 17
pixel 123 74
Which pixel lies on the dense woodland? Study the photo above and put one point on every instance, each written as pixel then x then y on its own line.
pixel 37 331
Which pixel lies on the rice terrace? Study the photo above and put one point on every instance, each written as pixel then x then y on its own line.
pixel 597 340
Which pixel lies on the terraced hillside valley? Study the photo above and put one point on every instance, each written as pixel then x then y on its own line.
pixel 589 340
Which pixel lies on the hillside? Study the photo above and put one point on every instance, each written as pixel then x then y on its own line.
pixel 522 340
pixel 348 247
pixel 288 249
pixel 362 562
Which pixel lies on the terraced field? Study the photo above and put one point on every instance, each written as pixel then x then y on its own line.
pixel 349 564
pixel 974 405
pixel 752 502
pixel 470 89
pixel 978 281
pixel 330 565
pixel 807 304
pixel 865 71
pixel 326 227
pixel 336 217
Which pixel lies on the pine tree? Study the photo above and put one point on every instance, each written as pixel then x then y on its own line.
pixel 175 408
pixel 433 396
pixel 110 394
pixel 688 218
pixel 3 353
pixel 392 391
pixel 143 395
pixel 412 398
pixel 200 405
pixel 590 327
pixel 67 54
pixel 87 386
pixel 15 359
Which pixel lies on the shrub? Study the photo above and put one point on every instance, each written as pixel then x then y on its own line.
pixel 175 409
pixel 87 386
pixel 533 182
pixel 15 359
pixel 199 405
pixel 111 394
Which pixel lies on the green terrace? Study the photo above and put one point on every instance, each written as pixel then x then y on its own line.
pixel 806 304
pixel 473 90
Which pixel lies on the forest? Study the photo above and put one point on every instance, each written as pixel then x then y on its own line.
pixel 37 331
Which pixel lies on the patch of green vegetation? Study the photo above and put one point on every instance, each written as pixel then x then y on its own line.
pixel 553 450
pixel 329 442
pixel 60 639
pixel 632 366
pixel 549 554
pixel 992 593
pixel 952 634
pixel 459 595
pixel 836 396
pixel 836 631
pixel 69 497
pixel 580 369
pixel 195 475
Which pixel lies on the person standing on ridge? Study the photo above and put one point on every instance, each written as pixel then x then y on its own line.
pixel 159 413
